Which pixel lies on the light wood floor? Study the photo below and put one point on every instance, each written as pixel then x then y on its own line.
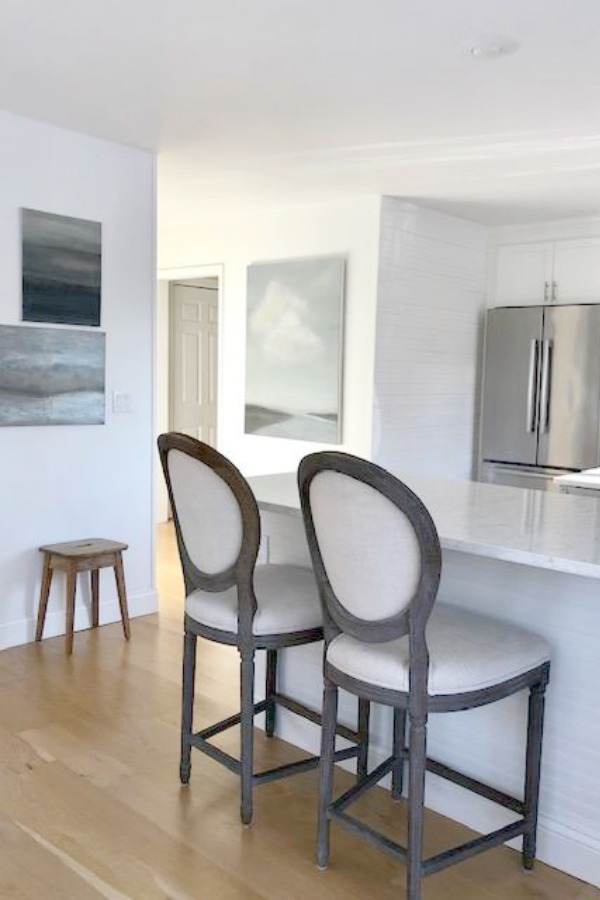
pixel 91 806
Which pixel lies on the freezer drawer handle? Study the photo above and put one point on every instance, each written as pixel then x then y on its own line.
pixel 546 380
pixel 531 385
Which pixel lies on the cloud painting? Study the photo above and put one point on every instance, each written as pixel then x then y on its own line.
pixel 294 349
pixel 51 376
pixel 61 269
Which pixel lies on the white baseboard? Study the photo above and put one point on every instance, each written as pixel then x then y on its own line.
pixel 570 851
pixel 12 634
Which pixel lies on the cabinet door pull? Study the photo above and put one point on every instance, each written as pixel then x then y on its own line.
pixel 546 291
pixel 554 290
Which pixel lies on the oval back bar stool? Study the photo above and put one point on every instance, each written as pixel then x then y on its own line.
pixel 377 558
pixel 232 600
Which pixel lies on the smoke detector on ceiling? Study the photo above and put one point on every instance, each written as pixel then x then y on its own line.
pixel 491 46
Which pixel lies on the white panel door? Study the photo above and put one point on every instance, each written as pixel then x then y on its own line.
pixel 577 271
pixel 523 274
pixel 193 361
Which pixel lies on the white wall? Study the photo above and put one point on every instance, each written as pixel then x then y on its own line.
pixel 430 308
pixel 69 482
pixel 350 228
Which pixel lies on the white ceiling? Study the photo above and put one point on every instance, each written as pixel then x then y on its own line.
pixel 276 101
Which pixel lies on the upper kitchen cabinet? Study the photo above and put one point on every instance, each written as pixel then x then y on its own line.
pixel 577 271
pixel 566 271
pixel 523 274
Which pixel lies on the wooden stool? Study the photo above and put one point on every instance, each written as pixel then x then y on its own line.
pixel 82 556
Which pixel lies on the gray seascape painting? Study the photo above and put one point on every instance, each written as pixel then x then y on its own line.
pixel 293 349
pixel 61 269
pixel 51 376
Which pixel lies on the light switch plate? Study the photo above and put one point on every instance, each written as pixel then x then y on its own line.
pixel 121 402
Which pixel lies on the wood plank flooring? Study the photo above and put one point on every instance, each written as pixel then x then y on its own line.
pixel 91 806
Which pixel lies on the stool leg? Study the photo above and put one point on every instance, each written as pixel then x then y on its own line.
pixel 71 586
pixel 44 594
pixel 330 705
pixel 95 598
pixel 535 727
pixel 120 579
pixel 417 755
pixel 271 687
pixel 362 760
pixel 187 706
pixel 247 733
pixel 399 749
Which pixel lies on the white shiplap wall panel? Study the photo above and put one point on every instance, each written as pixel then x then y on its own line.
pixel 489 742
pixel 430 306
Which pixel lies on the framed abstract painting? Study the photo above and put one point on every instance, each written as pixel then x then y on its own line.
pixel 61 269
pixel 51 376
pixel 294 342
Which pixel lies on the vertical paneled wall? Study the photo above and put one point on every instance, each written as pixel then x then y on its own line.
pixel 430 306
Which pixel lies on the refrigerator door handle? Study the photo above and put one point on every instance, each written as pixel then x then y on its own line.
pixel 532 385
pixel 546 385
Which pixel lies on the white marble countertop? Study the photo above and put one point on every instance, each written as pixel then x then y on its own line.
pixel 589 478
pixel 536 528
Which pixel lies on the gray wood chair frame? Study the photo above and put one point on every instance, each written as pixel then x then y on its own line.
pixel 241 576
pixel 415 704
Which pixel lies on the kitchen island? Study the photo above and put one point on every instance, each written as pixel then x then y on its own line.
pixel 528 557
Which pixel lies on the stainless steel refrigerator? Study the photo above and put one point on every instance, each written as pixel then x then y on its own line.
pixel 541 394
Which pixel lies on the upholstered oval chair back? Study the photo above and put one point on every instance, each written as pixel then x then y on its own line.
pixel 209 514
pixel 216 517
pixel 369 548
pixel 374 546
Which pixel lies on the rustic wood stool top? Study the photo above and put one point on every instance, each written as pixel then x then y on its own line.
pixel 72 557
pixel 79 549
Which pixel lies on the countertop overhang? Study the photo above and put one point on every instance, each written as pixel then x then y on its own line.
pixel 546 530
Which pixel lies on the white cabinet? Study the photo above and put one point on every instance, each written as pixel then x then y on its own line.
pixel 577 271
pixel 548 272
pixel 523 274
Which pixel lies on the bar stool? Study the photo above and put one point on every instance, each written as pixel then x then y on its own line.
pixel 72 557
pixel 377 558
pixel 231 600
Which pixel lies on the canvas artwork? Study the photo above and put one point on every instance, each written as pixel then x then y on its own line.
pixel 51 376
pixel 61 269
pixel 294 349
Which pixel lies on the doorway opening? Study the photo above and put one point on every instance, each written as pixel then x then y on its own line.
pixel 193 357
pixel 188 354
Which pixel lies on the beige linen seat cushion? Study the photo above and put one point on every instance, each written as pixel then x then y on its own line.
pixel 467 652
pixel 286 597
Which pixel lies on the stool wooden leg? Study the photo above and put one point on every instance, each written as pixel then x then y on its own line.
pixel 187 707
pixel 44 594
pixel 417 760
pixel 95 598
pixel 120 579
pixel 330 706
pixel 362 760
pixel 271 688
pixel 399 752
pixel 71 586
pixel 535 727
pixel 247 733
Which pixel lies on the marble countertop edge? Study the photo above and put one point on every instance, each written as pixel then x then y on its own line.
pixel 557 532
